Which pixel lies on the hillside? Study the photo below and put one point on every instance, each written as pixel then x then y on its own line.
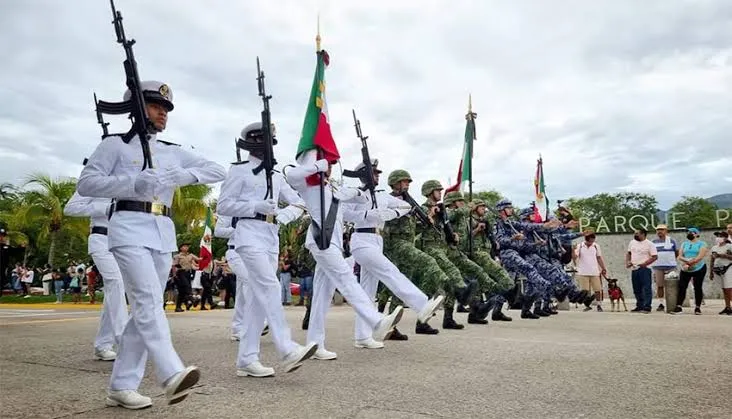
pixel 722 200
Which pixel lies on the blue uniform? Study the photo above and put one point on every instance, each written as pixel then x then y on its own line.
pixel 511 255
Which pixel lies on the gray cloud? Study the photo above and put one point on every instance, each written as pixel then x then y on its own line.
pixel 615 95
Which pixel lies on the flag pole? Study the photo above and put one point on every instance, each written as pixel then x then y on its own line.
pixel 322 237
pixel 470 120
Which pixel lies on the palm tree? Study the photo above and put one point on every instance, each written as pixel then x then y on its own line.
pixel 189 206
pixel 42 208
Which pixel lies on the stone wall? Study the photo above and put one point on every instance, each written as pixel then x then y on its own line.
pixel 615 246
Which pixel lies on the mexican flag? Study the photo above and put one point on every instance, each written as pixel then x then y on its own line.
pixel 205 253
pixel 542 202
pixel 465 170
pixel 316 140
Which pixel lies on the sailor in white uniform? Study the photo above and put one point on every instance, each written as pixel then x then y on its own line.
pixel 367 247
pixel 332 271
pixel 114 308
pixel 142 240
pixel 244 195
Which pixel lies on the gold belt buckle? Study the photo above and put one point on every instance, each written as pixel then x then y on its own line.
pixel 269 218
pixel 157 208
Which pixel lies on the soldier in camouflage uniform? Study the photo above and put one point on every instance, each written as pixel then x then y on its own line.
pixel 305 259
pixel 399 247
pixel 433 241
pixel 473 218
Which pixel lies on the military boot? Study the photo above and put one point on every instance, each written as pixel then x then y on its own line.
pixel 397 335
pixel 549 309
pixel 448 322
pixel 589 300
pixel 479 311
pixel 425 329
pixel 461 309
pixel 562 295
pixel 465 295
pixel 526 309
pixel 539 311
pixel 498 315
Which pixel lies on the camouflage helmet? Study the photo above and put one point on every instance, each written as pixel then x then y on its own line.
pixel 453 196
pixel 477 203
pixel 503 204
pixel 431 186
pixel 397 176
pixel 526 212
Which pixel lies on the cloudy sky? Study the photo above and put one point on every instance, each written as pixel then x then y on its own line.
pixel 616 95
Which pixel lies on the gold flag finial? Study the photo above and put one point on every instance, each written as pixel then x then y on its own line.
pixel 317 37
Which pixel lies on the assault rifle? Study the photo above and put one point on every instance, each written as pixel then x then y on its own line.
pixel 100 118
pixel 446 225
pixel 268 160
pixel 135 106
pixel 366 174
pixel 417 209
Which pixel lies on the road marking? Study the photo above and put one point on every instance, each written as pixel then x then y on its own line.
pixel 7 315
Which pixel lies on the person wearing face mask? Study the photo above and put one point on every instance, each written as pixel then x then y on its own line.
pixel 721 261
pixel 641 253
pixel 668 251
pixel 693 268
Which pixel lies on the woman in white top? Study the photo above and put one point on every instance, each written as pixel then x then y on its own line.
pixel 720 261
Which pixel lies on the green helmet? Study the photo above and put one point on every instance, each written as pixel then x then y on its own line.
pixel 398 176
pixel 431 186
pixel 453 196
pixel 478 203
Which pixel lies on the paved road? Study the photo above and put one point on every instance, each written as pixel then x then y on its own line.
pixel 588 365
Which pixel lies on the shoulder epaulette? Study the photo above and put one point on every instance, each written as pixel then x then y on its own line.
pixel 168 143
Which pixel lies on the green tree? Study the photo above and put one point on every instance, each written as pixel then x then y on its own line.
pixel 490 197
pixel 695 211
pixel 604 208
pixel 189 206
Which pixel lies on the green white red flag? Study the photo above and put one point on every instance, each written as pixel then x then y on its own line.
pixel 542 201
pixel 465 170
pixel 205 254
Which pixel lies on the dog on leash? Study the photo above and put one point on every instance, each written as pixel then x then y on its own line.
pixel 615 294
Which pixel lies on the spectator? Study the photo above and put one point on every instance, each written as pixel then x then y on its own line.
pixel 91 283
pixel 693 268
pixel 721 261
pixel 46 279
pixel 27 280
pixel 285 277
pixel 305 268
pixel 15 275
pixel 58 286
pixel 641 253
pixel 75 286
pixel 590 267
pixel 668 251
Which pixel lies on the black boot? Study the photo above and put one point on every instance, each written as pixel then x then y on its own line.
pixel 382 306
pixel 589 300
pixel 526 310
pixel 465 295
pixel 539 311
pixel 498 315
pixel 578 297
pixel 306 319
pixel 397 335
pixel 448 322
pixel 461 309
pixel 479 311
pixel 562 295
pixel 425 329
pixel 549 309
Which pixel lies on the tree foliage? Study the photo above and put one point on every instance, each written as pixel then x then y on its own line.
pixel 694 211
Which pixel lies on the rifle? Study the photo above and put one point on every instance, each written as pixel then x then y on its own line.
pixel 238 153
pixel 417 209
pixel 366 174
pixel 100 118
pixel 446 225
pixel 268 161
pixel 135 106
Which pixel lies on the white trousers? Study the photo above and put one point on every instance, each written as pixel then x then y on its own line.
pixel 262 302
pixel 376 267
pixel 237 266
pixel 333 272
pixel 114 308
pixel 144 273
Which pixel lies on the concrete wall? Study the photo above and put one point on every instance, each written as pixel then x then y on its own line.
pixel 615 246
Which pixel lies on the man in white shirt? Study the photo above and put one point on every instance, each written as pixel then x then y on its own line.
pixel 668 251
pixel 142 239
pixel 641 254
pixel 590 266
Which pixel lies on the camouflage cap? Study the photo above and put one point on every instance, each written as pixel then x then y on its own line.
pixel 453 196
pixel 431 186
pixel 397 176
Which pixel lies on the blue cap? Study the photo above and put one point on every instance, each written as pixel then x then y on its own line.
pixel 503 203
pixel 526 212
pixel 693 230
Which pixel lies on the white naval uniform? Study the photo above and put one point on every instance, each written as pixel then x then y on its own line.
pixel 368 251
pixel 114 308
pixel 332 271
pixel 224 230
pixel 142 244
pixel 257 243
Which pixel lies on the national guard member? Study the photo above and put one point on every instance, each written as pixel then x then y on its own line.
pixel 471 220
pixel 434 241
pixel 142 239
pixel 332 271
pixel 243 195
pixel 114 308
pixel 367 249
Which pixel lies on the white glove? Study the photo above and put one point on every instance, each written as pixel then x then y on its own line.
pixel 266 207
pixel 322 165
pixel 284 217
pixel 176 176
pixel 146 181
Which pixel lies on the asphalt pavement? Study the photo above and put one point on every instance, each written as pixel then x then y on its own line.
pixel 573 365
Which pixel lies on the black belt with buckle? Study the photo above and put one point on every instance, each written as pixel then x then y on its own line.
pixel 367 230
pixel 261 217
pixel 99 230
pixel 139 206
pixel 231 247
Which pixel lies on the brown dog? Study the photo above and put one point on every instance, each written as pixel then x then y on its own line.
pixel 615 294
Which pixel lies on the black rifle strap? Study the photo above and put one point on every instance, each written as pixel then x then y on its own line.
pixel 328 225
